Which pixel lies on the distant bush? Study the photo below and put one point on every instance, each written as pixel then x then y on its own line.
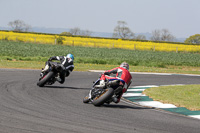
pixel 195 39
pixel 65 34
pixel 60 40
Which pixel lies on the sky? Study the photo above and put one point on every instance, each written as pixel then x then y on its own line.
pixel 180 17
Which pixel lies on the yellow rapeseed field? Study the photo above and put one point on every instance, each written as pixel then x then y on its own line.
pixel 97 42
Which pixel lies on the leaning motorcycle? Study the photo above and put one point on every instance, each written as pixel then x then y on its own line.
pixel 49 77
pixel 99 94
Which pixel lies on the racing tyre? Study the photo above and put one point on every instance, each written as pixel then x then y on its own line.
pixel 44 80
pixel 100 100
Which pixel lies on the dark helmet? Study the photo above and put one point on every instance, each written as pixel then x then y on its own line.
pixel 125 65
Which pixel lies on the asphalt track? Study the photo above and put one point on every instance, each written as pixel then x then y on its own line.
pixel 27 108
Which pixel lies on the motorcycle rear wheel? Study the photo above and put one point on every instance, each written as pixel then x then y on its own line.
pixel 44 80
pixel 100 100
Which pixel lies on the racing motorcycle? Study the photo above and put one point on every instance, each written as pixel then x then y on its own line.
pixel 106 93
pixel 49 77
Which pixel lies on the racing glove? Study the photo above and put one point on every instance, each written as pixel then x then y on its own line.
pixel 50 59
pixel 106 73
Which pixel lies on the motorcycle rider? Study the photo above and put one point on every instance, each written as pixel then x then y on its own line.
pixel 66 63
pixel 122 73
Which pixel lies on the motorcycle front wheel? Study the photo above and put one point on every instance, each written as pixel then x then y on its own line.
pixel 46 78
pixel 105 96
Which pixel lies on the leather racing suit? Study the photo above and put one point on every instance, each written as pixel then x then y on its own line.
pixel 122 74
pixel 67 65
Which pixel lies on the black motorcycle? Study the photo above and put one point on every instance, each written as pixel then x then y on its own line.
pixel 107 93
pixel 49 77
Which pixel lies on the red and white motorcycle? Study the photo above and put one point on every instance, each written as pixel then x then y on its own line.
pixel 105 91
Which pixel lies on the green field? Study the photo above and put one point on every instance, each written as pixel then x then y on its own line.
pixel 41 52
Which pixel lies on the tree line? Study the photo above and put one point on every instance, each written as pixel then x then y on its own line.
pixel 120 31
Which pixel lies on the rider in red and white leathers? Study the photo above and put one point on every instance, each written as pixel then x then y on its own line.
pixel 123 74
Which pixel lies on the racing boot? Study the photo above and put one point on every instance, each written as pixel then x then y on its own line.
pixel 114 99
pixel 58 78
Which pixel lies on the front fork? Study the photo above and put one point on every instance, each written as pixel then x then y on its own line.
pixel 90 94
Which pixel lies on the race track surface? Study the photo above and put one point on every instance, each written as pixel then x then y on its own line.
pixel 27 108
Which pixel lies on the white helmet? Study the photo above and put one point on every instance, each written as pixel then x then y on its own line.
pixel 125 65
pixel 70 56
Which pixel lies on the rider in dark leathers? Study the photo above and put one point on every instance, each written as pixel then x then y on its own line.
pixel 66 63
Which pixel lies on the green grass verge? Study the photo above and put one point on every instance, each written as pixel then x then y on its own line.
pixel 38 65
pixel 87 67
pixel 187 96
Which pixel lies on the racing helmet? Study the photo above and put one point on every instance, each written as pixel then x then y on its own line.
pixel 70 56
pixel 125 65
